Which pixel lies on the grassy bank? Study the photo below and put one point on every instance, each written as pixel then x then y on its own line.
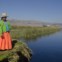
pixel 19 53
pixel 28 32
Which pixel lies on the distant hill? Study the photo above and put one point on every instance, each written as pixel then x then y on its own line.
pixel 31 23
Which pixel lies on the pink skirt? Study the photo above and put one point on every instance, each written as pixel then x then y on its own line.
pixel 5 41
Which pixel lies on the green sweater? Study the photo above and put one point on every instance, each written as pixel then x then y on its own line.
pixel 3 26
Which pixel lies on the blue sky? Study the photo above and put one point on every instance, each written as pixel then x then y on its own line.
pixel 41 10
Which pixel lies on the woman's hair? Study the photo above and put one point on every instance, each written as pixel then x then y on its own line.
pixel 2 18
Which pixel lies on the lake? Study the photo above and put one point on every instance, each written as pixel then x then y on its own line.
pixel 47 48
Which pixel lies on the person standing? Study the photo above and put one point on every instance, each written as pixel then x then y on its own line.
pixel 5 38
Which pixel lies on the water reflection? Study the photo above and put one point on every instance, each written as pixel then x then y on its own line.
pixel 47 49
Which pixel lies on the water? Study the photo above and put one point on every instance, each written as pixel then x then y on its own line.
pixel 47 49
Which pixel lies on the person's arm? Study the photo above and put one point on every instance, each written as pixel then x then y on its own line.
pixel 1 31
